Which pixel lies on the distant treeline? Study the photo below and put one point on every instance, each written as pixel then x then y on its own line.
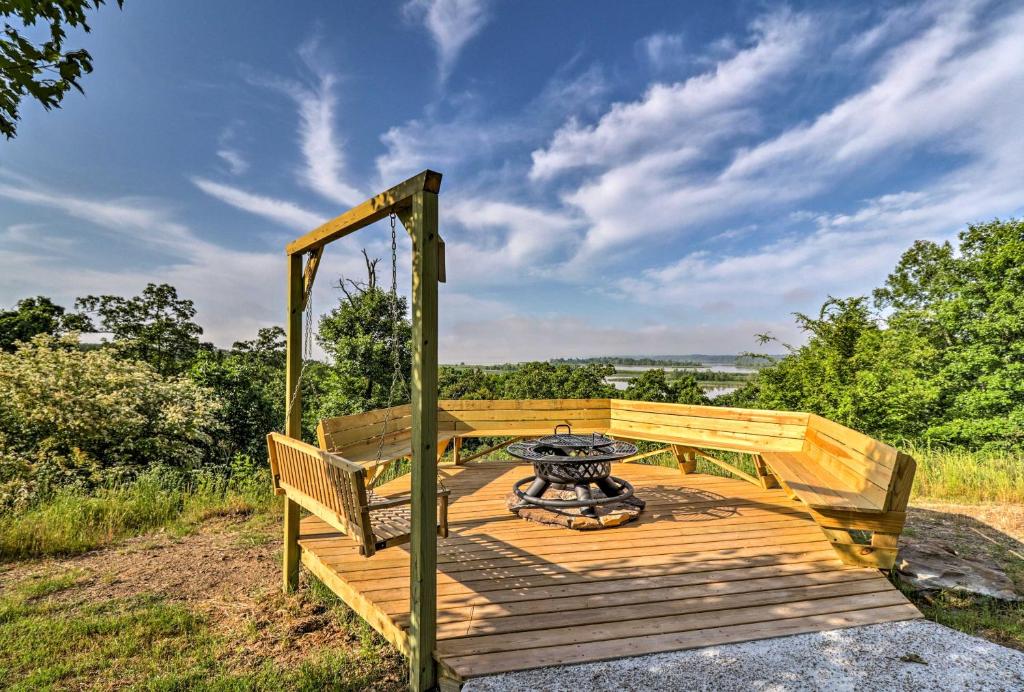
pixel 630 361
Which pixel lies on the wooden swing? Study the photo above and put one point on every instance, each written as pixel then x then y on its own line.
pixel 333 487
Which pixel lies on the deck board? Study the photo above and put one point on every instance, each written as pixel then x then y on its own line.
pixel 712 560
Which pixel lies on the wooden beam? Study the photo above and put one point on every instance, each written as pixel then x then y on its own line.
pixel 644 455
pixel 423 540
pixel 723 464
pixel 457 451
pixel 405 216
pixel 293 414
pixel 370 211
pixel 309 275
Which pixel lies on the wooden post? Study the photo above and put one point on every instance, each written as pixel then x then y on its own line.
pixel 685 459
pixel 423 543
pixel 457 451
pixel 293 412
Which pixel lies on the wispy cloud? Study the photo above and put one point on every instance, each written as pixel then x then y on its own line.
pixel 286 213
pixel 451 23
pixel 227 152
pixel 663 50
pixel 685 115
pixel 323 152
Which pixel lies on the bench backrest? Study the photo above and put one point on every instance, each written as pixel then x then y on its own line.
pixel 712 426
pixel 471 418
pixel 325 484
pixel 874 469
pixel 360 429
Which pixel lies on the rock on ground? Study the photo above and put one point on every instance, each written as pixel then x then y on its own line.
pixel 911 655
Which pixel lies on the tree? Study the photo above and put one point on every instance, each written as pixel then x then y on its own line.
pixel 249 381
pixel 45 71
pixel 654 385
pixel 464 383
pixel 155 327
pixel 360 336
pixel 539 380
pixel 33 316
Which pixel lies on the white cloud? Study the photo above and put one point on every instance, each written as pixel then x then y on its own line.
pixel 954 88
pixel 324 168
pixel 451 23
pixel 286 213
pixel 234 159
pixel 663 50
pixel 686 114
pixel 502 242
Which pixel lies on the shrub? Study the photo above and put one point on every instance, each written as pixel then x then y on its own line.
pixel 83 418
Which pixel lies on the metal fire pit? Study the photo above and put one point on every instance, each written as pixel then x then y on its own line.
pixel 564 461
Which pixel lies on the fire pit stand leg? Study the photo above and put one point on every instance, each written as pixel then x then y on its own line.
pixel 610 489
pixel 583 495
pixel 538 487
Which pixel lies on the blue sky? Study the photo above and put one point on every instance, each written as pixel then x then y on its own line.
pixel 619 178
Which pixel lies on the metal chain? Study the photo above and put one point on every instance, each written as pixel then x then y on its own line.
pixel 307 350
pixel 397 375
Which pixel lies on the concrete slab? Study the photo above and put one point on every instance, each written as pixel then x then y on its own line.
pixel 874 657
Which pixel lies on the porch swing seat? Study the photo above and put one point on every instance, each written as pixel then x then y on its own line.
pixel 334 489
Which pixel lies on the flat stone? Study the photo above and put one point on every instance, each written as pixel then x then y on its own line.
pixel 912 655
pixel 929 564
pixel 608 516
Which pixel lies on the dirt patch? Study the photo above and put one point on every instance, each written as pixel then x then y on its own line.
pixel 990 533
pixel 228 570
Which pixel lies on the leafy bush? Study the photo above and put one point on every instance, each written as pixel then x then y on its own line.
pixel 83 417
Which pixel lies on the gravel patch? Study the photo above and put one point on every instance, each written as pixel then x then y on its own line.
pixel 910 655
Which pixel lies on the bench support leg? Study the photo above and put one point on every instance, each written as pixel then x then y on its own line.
pixel 290 558
pixel 764 474
pixel 685 459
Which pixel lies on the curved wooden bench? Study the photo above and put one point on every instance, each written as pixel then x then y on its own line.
pixel 852 485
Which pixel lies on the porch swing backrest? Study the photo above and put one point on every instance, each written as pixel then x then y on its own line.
pixel 334 489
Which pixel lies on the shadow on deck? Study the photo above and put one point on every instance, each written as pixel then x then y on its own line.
pixel 711 560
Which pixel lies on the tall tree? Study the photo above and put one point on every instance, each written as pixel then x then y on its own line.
pixel 155 327
pixel 33 316
pixel 44 71
pixel 360 335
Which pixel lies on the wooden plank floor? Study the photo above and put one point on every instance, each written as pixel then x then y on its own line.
pixel 712 560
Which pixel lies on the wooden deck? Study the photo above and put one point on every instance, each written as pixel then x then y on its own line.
pixel 712 560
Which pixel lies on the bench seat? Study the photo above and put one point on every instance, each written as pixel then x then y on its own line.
pixel 814 485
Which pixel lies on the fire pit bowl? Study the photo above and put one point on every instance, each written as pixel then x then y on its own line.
pixel 568 462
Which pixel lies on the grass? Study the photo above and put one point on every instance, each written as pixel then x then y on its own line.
pixel 49 639
pixel 73 521
pixel 998 621
pixel 968 477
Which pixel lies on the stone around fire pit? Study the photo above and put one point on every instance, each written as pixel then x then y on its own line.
pixel 613 514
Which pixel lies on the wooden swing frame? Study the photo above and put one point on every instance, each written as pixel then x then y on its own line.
pixel 415 204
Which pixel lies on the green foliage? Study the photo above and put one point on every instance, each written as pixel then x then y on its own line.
pixel 249 382
pixel 33 316
pixel 464 383
pixel 548 381
pixel 69 416
pixel 155 327
pixel 23 63
pixel 653 385
pixel 942 359
pixel 359 335
pixel 72 520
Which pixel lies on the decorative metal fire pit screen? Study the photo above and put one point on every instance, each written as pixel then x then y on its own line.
pixel 568 462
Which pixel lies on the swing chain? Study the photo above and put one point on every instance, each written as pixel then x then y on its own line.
pixel 307 350
pixel 397 376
